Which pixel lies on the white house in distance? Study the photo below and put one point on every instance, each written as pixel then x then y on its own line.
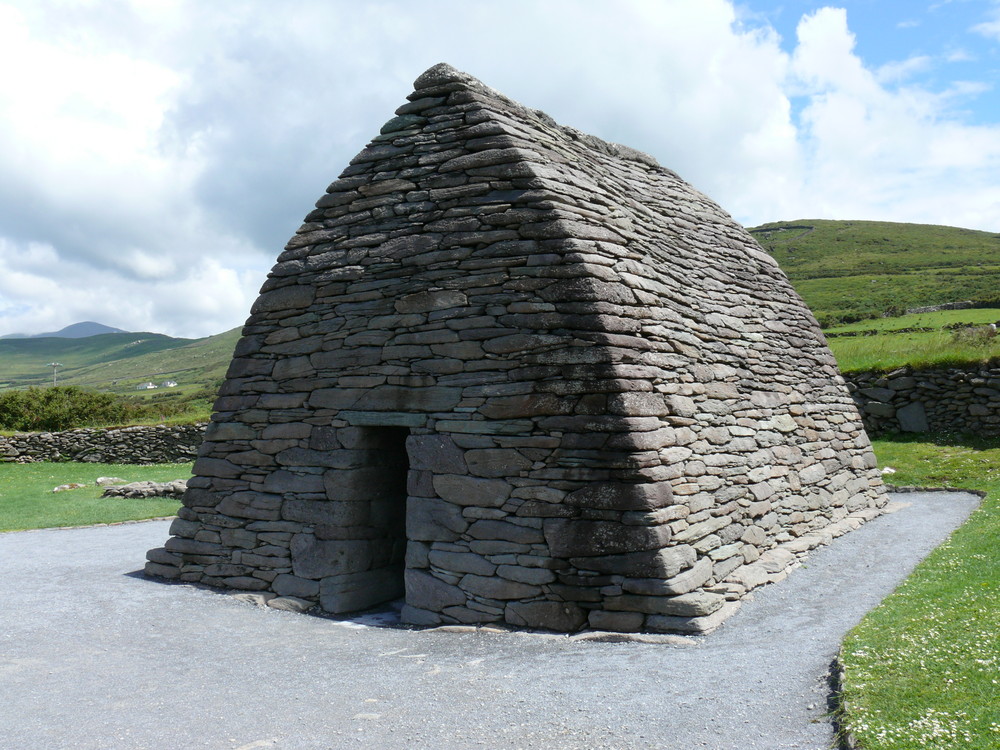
pixel 168 384
pixel 146 386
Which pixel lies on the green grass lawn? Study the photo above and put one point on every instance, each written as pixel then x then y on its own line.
pixel 923 669
pixel 27 500
pixel 920 350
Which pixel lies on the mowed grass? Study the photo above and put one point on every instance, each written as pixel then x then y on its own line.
pixel 870 296
pixel 27 500
pixel 923 669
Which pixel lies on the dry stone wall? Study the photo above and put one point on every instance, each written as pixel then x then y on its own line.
pixel 144 444
pixel 517 374
pixel 946 400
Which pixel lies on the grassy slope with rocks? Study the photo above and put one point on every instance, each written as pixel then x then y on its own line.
pixel 940 319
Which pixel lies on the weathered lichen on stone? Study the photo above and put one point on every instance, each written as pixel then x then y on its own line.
pixel 520 375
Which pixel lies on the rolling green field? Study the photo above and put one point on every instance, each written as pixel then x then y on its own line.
pixel 895 347
pixel 118 362
pixel 918 349
pixel 849 270
pixel 27 500
pixel 26 361
pixel 939 319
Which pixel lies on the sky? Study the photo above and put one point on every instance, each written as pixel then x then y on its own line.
pixel 155 155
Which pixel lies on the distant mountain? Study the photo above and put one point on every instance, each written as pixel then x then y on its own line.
pixel 74 331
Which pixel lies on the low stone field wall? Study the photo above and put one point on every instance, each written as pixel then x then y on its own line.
pixel 946 400
pixel 148 444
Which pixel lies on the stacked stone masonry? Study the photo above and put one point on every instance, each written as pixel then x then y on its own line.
pixel 520 375
pixel 958 400
pixel 143 444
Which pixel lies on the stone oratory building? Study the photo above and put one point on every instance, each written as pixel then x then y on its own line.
pixel 519 375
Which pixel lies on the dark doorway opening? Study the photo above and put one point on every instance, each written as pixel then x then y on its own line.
pixel 374 500
pixel 391 465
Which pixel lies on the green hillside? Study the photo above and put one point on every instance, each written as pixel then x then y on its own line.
pixel 26 361
pixel 118 362
pixel 851 270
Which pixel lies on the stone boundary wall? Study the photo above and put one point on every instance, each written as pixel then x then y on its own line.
pixel 947 400
pixel 145 444
pixel 912 329
pixel 965 305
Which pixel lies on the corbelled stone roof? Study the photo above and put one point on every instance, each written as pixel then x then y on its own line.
pixel 613 397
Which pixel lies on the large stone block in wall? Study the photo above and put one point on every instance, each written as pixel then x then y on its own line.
pixel 433 520
pixel 349 592
pixel 573 537
pixel 319 558
pixel 912 417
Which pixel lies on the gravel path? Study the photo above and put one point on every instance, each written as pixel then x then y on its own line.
pixel 91 657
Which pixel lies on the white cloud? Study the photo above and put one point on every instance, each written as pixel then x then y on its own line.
pixel 990 28
pixel 154 157
pixel 39 291
pixel 824 59
pixel 898 71
pixel 887 153
pixel 87 175
pixel 188 129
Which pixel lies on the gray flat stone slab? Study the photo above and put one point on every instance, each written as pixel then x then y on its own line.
pixel 92 657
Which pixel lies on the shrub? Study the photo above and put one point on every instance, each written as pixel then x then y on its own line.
pixel 65 407
pixel 829 320
pixel 976 336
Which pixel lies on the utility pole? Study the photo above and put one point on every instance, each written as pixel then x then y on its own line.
pixel 54 366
